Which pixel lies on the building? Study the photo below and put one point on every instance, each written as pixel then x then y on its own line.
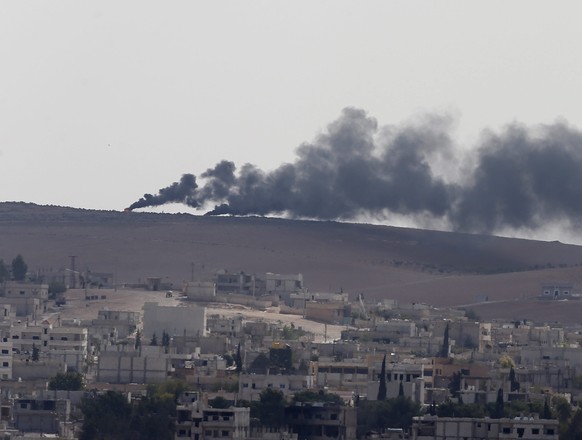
pixel 252 385
pixel 199 290
pixel 319 421
pixel 176 321
pixel 146 365
pixel 195 420
pixel 283 285
pixel 557 291
pixel 451 428
pixel 40 415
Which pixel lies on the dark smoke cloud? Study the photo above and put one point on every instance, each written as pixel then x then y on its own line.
pixel 521 177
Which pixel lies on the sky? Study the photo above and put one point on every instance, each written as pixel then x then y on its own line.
pixel 104 101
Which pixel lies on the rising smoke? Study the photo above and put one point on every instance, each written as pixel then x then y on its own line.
pixel 519 178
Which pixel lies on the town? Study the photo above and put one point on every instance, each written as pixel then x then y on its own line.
pixel 261 356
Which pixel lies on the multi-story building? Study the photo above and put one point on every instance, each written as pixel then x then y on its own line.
pixel 451 428
pixel 195 420
pixel 66 343
pixel 320 421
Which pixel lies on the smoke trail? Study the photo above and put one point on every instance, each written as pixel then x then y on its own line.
pixel 181 192
pixel 522 177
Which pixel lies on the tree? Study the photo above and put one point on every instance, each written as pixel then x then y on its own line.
pixel 310 396
pixel 382 386
pixel 105 416
pixel 455 384
pixel 56 287
pixel 137 340
pixel 4 272
pixel 499 411
pixel 19 268
pixel 238 360
pixel 513 383
pixel 165 341
pixel 70 381
pixel 270 409
pixel 445 348
pixel 219 402
pixel 35 353
pixel 401 390
pixel 154 340
pixel 547 414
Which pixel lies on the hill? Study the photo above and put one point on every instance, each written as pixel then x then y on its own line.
pixel 411 265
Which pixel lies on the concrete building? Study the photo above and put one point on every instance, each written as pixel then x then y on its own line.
pixel 199 290
pixel 283 285
pixel 176 321
pixel 557 291
pixel 122 323
pixel 195 420
pixel 251 385
pixel 6 356
pixel 318 421
pixel 409 376
pixel 125 365
pixel 449 428
pixel 66 343
pixel 230 282
pixel 40 415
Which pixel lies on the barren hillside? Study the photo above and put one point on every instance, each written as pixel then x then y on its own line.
pixel 383 262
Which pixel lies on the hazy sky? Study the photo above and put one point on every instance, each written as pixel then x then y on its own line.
pixel 103 101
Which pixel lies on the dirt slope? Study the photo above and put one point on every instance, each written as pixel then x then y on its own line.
pixel 383 262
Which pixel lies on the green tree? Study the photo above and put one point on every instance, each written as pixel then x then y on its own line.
pixel 444 353
pixel 105 416
pixel 35 353
pixel 455 384
pixel 219 402
pixel 238 360
pixel 56 287
pixel 4 272
pixel 137 340
pixel 377 415
pixel 71 381
pixel 513 383
pixel 270 409
pixel 154 340
pixel 311 396
pixel 499 411
pixel 19 268
pixel 382 386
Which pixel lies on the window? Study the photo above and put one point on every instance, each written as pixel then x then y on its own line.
pixel 5 364
pixel 225 433
pixel 282 386
pixel 550 431
pixel 535 431
pixel 4 351
pixel 245 385
pixel 15 337
pixel 506 430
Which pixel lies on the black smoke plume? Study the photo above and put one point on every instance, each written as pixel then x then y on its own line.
pixel 519 178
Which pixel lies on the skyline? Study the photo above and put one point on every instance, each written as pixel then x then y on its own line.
pixel 103 102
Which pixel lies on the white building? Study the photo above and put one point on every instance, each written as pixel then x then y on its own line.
pixel 175 321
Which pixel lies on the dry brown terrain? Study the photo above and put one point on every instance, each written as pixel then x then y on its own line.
pixel 441 268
